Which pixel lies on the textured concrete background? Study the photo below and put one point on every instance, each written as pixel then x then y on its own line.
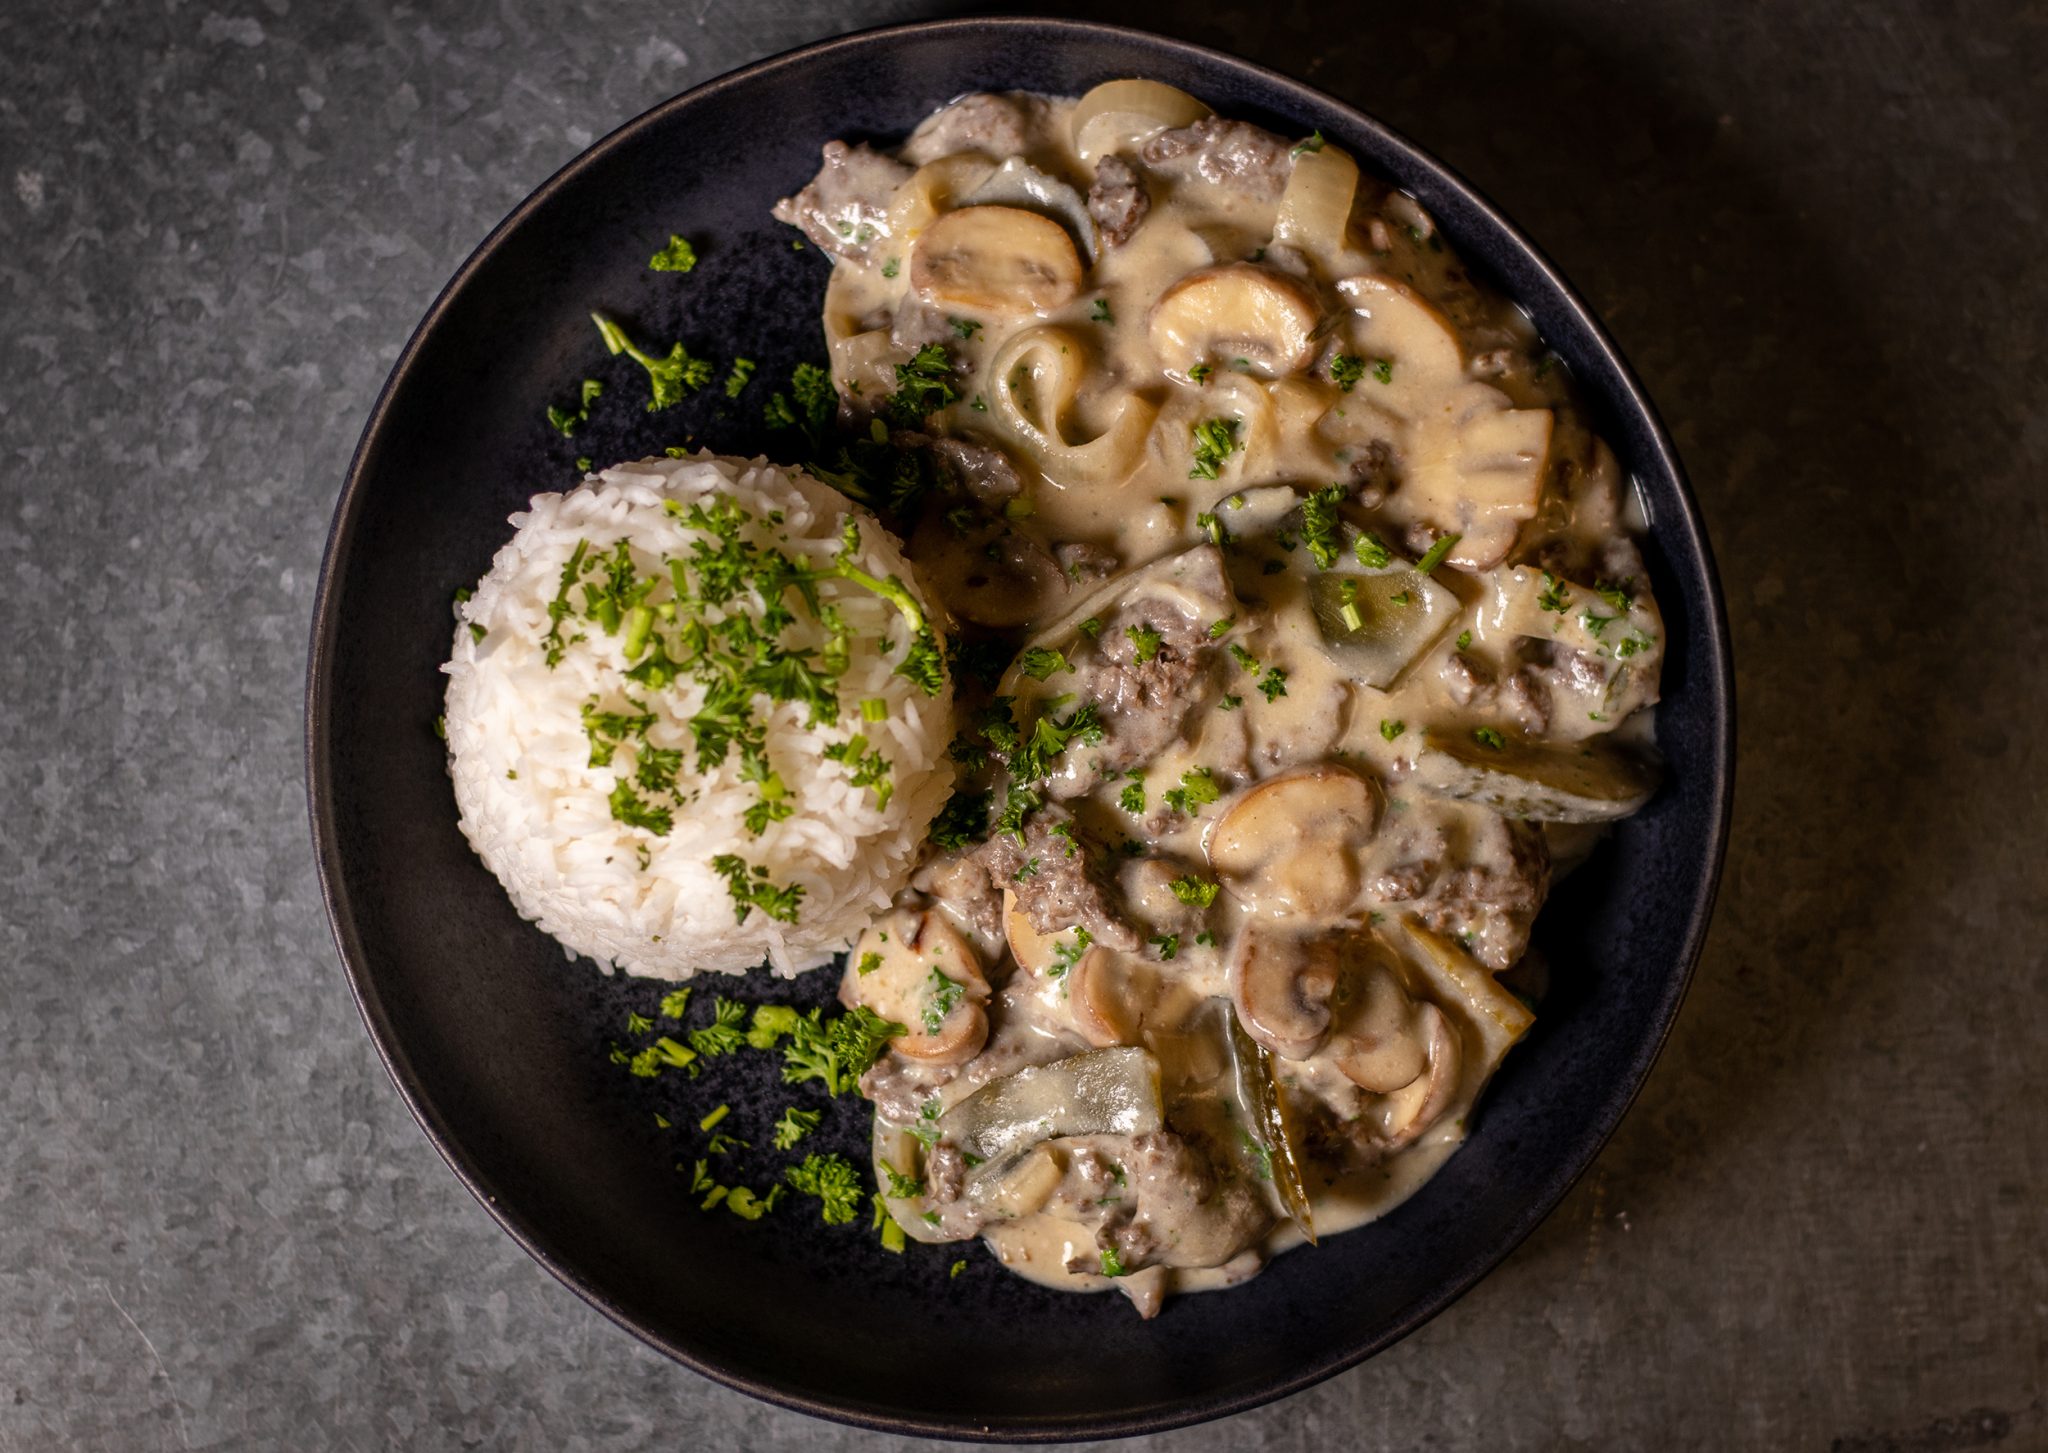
pixel 1816 232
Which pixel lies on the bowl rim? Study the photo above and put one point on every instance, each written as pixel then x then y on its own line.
pixel 1684 525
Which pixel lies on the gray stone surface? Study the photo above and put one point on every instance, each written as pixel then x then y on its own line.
pixel 1817 232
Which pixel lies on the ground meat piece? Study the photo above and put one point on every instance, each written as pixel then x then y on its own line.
pixel 1117 201
pixel 1012 123
pixel 1525 697
pixel 1374 473
pixel 1068 886
pixel 917 323
pixel 1085 562
pixel 899 1087
pixel 1402 883
pixel 1145 703
pixel 945 1172
pixel 982 471
pixel 845 208
pixel 1489 899
pixel 1233 154
pixel 1464 678
pixel 1187 1214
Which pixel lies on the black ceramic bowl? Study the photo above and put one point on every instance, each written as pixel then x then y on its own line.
pixel 500 1047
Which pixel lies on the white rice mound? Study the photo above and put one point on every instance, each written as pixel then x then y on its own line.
pixel 540 815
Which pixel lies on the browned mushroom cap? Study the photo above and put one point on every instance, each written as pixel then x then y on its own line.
pixel 1380 1044
pixel 1288 847
pixel 1239 311
pixel 995 260
pixel 1281 985
pixel 1108 994
pixel 1409 1111
pixel 920 973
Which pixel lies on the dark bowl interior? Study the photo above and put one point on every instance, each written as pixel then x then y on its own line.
pixel 499 1046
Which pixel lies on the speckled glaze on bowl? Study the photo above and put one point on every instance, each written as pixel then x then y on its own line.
pixel 499 1047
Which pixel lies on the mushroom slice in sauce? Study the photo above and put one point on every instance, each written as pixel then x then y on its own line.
pixel 1288 847
pixel 1239 313
pixel 1587 781
pixel 1281 984
pixel 923 974
pixel 995 260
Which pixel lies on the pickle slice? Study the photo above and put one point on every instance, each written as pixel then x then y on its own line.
pixel 1589 781
pixel 1102 1092
pixel 1380 621
pixel 1259 1094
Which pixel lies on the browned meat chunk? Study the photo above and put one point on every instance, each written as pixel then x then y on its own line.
pixel 1152 667
pixel 1187 1214
pixel 1117 201
pixel 1232 154
pixel 845 208
pixel 1084 562
pixel 980 470
pixel 959 882
pixel 1067 883
pixel 1012 123
pixel 1476 877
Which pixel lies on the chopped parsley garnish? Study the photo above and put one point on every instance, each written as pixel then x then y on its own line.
pixel 893 266
pixel 749 888
pixel 1617 593
pixel 1101 314
pixel 742 370
pixel 1273 685
pixel 607 729
pixel 723 1034
pixel 963 820
pixel 1596 623
pixel 1168 945
pixel 956 1269
pixel 1197 789
pixel 1200 373
pixel 941 996
pixel 1218 629
pixel 1068 952
pixel 714 1117
pixel 1489 738
pixel 869 962
pixel 1050 736
pixel 1556 596
pixel 1112 1264
pixel 833 1181
pixel 838 1053
pixel 1245 659
pixel 1634 643
pixel 678 256
pixel 1436 554
pixel 1372 552
pixel 1144 643
pixel 1398 598
pixel 1132 798
pixel 1091 628
pixel 771 1023
pixel 566 420
pixel 965 327
pixel 1319 524
pixel 868 768
pixel 670 377
pixel 1025 873
pixel 923 385
pixel 638 1023
pixel 794 1125
pixel 1346 369
pixel 1464 640
pixel 1383 369
pixel 1210 525
pixel 1391 729
pixel 1215 441
pixel 1040 662
pixel 1018 804
pixel 674 1002
pixel 901 1186
pixel 1311 143
pixel 631 809
pixel 1229 703
pixel 1196 891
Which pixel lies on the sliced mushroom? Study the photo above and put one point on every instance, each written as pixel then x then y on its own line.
pixel 1379 1046
pixel 995 260
pixel 1239 311
pixel 1398 325
pixel 1289 846
pixel 1281 985
pixel 1108 994
pixel 1406 1113
pixel 1474 468
pixel 923 974
pixel 1017 183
